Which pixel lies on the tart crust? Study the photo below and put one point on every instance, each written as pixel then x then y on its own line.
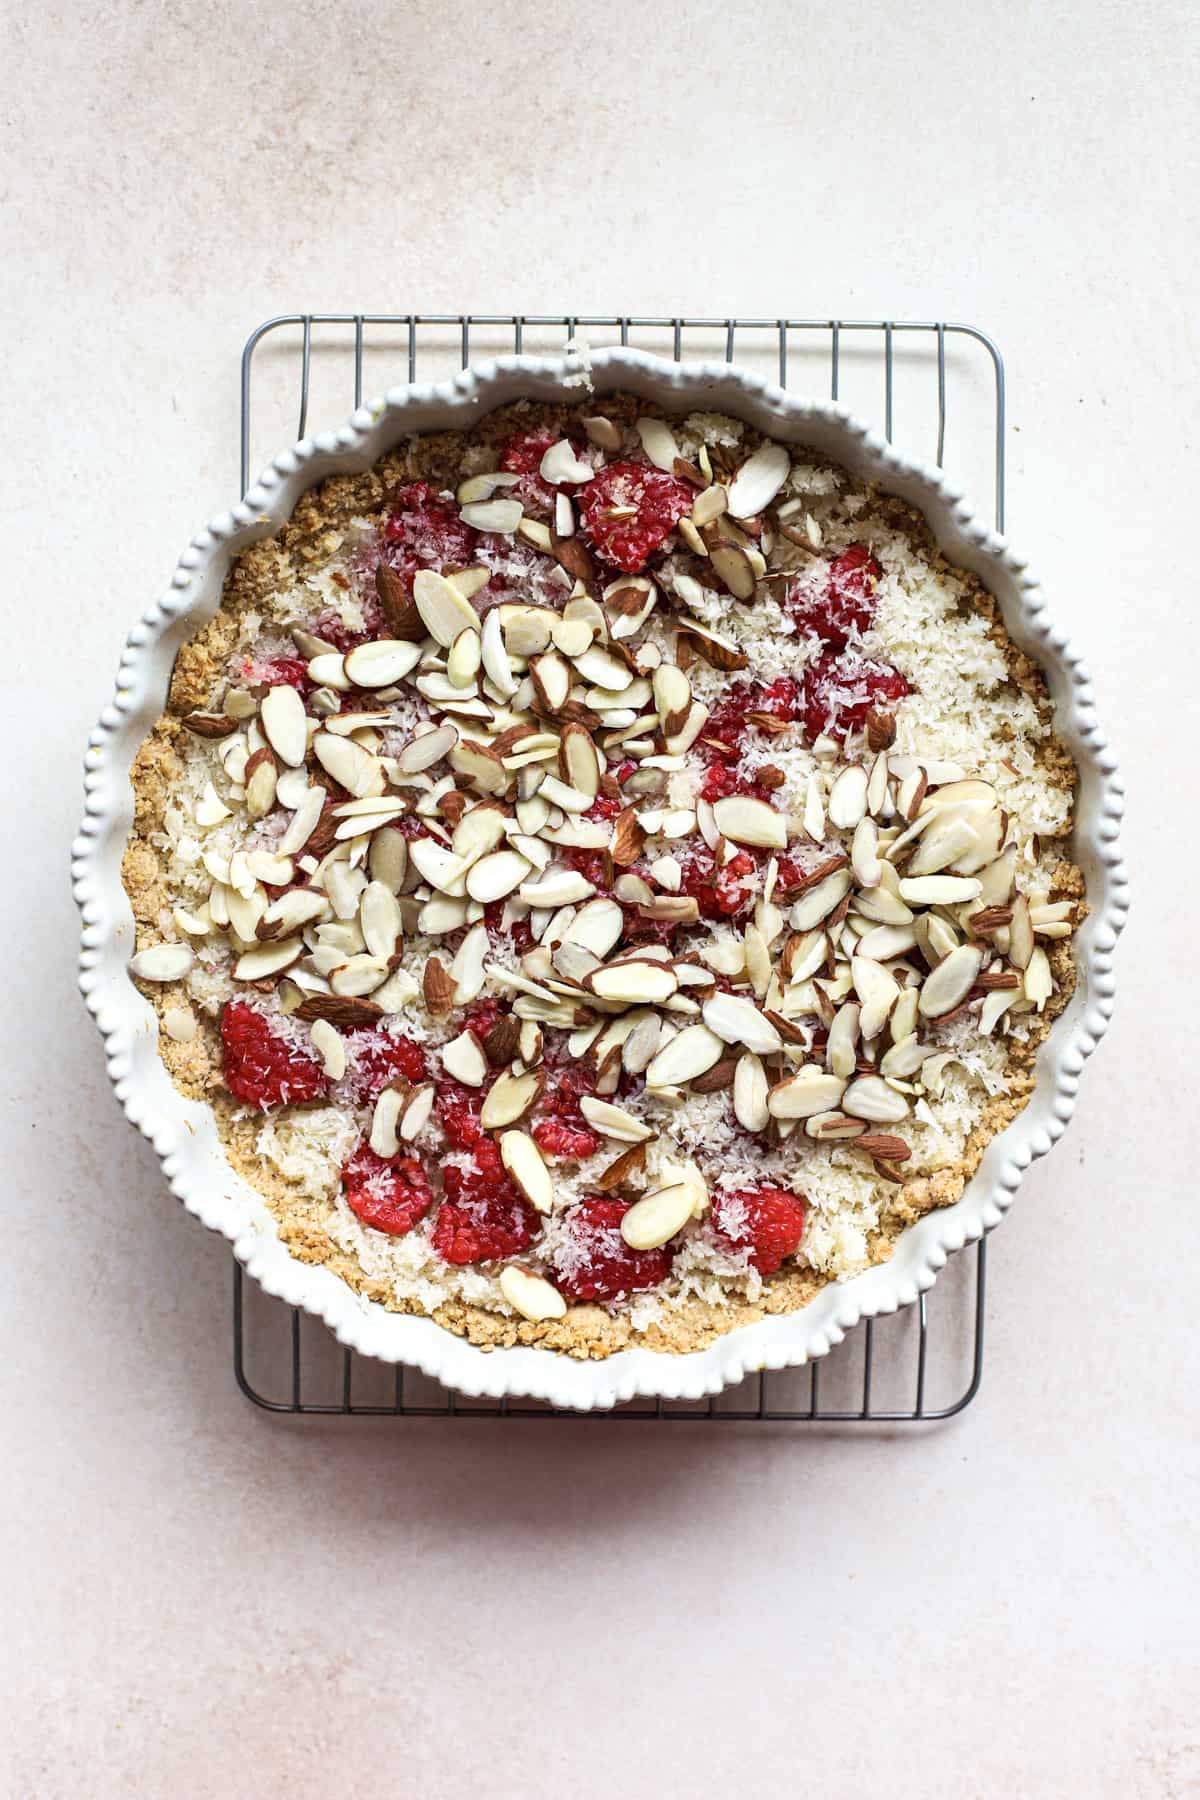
pixel 309 540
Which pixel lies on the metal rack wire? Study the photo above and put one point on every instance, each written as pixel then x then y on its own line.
pixel 933 1365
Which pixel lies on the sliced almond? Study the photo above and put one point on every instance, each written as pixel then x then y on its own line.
pixel 438 987
pixel 947 986
pixel 266 959
pixel 603 670
pixel 719 652
pixel 509 1098
pixel 379 914
pixel 559 887
pixel 284 724
pixel 613 1121
pixel 482 767
pixel 463 1058
pixel 938 890
pixel 442 607
pixel 348 1014
pixel 1020 934
pixel 744 820
pixel 560 463
pixel 848 797
pixel 659 443
pixel 689 1053
pixel 737 1020
pixel 758 480
pixel 1039 980
pixel 820 900
pixel 552 680
pixel 162 962
pixel 384 1139
pixel 381 662
pixel 672 697
pixel 733 569
pixel 430 747
pixel 501 516
pixel 634 982
pixel 603 433
pixel 494 876
pixel 750 1093
pixel 359 975
pixel 841 1049
pixel 658 1217
pixel 811 1090
pixel 462 663
pixel 597 926
pixel 354 768
pixel 871 1098
pixel 531 1295
pixel 878 991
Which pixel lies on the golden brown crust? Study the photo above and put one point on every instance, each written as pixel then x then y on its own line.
pixel 305 543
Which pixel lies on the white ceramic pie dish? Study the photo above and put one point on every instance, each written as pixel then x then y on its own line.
pixel 184 1132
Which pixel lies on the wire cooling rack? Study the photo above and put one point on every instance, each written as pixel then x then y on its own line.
pixel 934 383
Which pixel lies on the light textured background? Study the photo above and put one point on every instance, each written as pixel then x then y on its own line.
pixel 203 1602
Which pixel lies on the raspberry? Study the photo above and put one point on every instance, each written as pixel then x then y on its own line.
pixel 482 1217
pixel 847 605
pixel 262 1069
pixel 278 671
pixel 595 1263
pixel 781 698
pixel 842 687
pixel 522 455
pixel 561 1129
pixel 565 1142
pixel 483 1017
pixel 424 531
pixel 457 1112
pixel 594 865
pixel 374 1058
pixel 769 1221
pixel 719 892
pixel 389 1195
pixel 627 540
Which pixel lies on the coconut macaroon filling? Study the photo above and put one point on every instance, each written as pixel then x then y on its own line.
pixel 608 875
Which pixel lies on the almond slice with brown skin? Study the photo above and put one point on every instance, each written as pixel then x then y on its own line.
pixel 441 605
pixel 510 1098
pixel 463 1058
pixel 744 820
pixel 658 1217
pixel 737 1020
pixel 719 652
pixel 284 724
pixel 819 901
pixel 1020 934
pixel 811 1090
pixel 523 1160
pixel 733 569
pixel 578 763
pixel 691 1052
pixel 482 767
pixel 948 985
pixel 552 680
pixel 348 1014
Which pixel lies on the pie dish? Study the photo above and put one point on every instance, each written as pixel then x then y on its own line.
pixel 602 878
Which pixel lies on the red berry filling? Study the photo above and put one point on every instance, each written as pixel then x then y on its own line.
pixel 424 531
pixel 261 1068
pixel 766 1220
pixel 457 1113
pixel 845 606
pixel 842 687
pixel 729 722
pixel 522 455
pixel 277 671
pixel 561 1130
pixel 483 1217
pixel 389 1195
pixel 719 892
pixel 593 1261
pixel 374 1058
pixel 629 510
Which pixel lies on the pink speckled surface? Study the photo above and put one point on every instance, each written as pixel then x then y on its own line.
pixel 200 1601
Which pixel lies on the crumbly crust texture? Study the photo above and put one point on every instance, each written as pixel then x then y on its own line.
pixel 302 553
